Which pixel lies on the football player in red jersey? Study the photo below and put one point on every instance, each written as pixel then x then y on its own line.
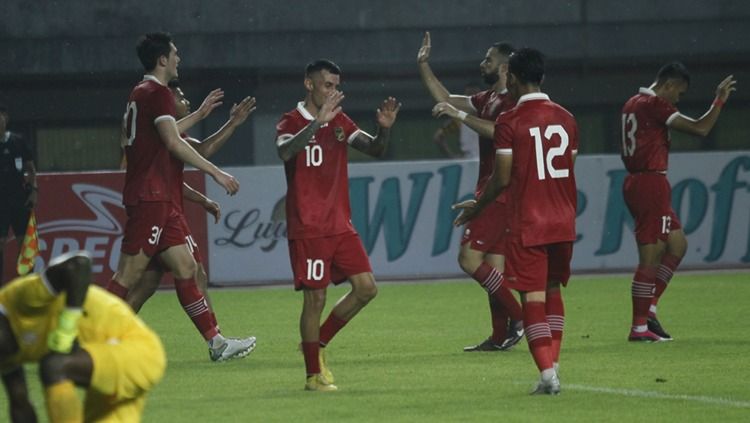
pixel 536 142
pixel 482 247
pixel 153 274
pixel 324 247
pixel 154 151
pixel 646 120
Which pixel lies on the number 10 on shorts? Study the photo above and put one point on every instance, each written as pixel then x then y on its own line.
pixel 314 269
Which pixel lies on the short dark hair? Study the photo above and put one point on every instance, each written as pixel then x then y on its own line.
pixel 151 47
pixel 174 83
pixel 3 108
pixel 322 64
pixel 504 48
pixel 674 70
pixel 527 64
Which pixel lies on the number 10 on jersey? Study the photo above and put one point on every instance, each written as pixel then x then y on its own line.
pixel 313 155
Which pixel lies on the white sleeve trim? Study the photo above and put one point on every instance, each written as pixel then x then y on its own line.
pixel 354 134
pixel 164 117
pixel 283 139
pixel 672 117
pixel 504 151
pixel 575 151
pixel 3 311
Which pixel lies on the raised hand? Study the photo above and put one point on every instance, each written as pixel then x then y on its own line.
pixel 212 101
pixel 424 52
pixel 726 87
pixel 227 181
pixel 239 112
pixel 468 211
pixel 444 109
pixel 330 108
pixel 386 114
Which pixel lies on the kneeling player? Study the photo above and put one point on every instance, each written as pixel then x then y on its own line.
pixel 80 335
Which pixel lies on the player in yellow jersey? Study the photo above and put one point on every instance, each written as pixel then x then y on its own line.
pixel 81 336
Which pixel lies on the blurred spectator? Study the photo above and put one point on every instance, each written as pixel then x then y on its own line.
pixel 18 188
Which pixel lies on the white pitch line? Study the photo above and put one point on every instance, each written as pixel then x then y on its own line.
pixel 657 395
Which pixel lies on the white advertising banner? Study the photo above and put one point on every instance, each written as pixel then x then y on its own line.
pixel 402 213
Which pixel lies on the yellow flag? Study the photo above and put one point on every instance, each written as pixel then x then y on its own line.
pixel 29 249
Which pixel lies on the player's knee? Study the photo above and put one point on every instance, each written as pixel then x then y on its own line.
pixel 52 368
pixel 468 262
pixel 186 270
pixel 366 292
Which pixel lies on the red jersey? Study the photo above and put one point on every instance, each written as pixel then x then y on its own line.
pixel 488 104
pixel 147 177
pixel 542 137
pixel 645 132
pixel 317 178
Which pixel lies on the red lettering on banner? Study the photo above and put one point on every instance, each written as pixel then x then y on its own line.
pixel 84 211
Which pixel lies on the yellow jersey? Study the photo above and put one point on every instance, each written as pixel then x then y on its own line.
pixel 32 307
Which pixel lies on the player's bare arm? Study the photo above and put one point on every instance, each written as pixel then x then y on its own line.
pixel 386 117
pixel 437 90
pixel 498 182
pixel 237 116
pixel 195 196
pixel 183 151
pixel 485 128
pixel 703 125
pixel 212 101
pixel 289 147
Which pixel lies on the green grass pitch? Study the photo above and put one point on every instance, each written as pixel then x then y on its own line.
pixel 401 359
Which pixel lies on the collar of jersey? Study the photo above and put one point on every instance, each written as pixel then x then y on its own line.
pixel 152 78
pixel 647 91
pixel 533 96
pixel 305 114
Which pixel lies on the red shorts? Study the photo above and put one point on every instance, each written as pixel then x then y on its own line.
pixel 649 199
pixel 316 262
pixel 487 231
pixel 152 227
pixel 156 264
pixel 530 268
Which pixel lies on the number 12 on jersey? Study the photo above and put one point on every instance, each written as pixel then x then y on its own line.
pixel 543 162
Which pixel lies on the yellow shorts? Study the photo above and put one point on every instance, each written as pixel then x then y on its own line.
pixel 124 371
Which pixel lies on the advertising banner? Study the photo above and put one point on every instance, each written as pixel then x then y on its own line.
pixel 402 213
pixel 84 211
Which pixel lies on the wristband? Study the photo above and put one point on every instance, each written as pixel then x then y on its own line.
pixel 61 339
pixel 461 115
pixel 718 102
pixel 68 319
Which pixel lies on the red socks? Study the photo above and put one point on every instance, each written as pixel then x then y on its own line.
pixel 330 328
pixel 194 304
pixel 642 292
pixel 492 282
pixel 556 320
pixel 311 350
pixel 499 321
pixel 538 334
pixel 664 274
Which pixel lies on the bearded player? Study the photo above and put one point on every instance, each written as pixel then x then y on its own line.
pixel 482 247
